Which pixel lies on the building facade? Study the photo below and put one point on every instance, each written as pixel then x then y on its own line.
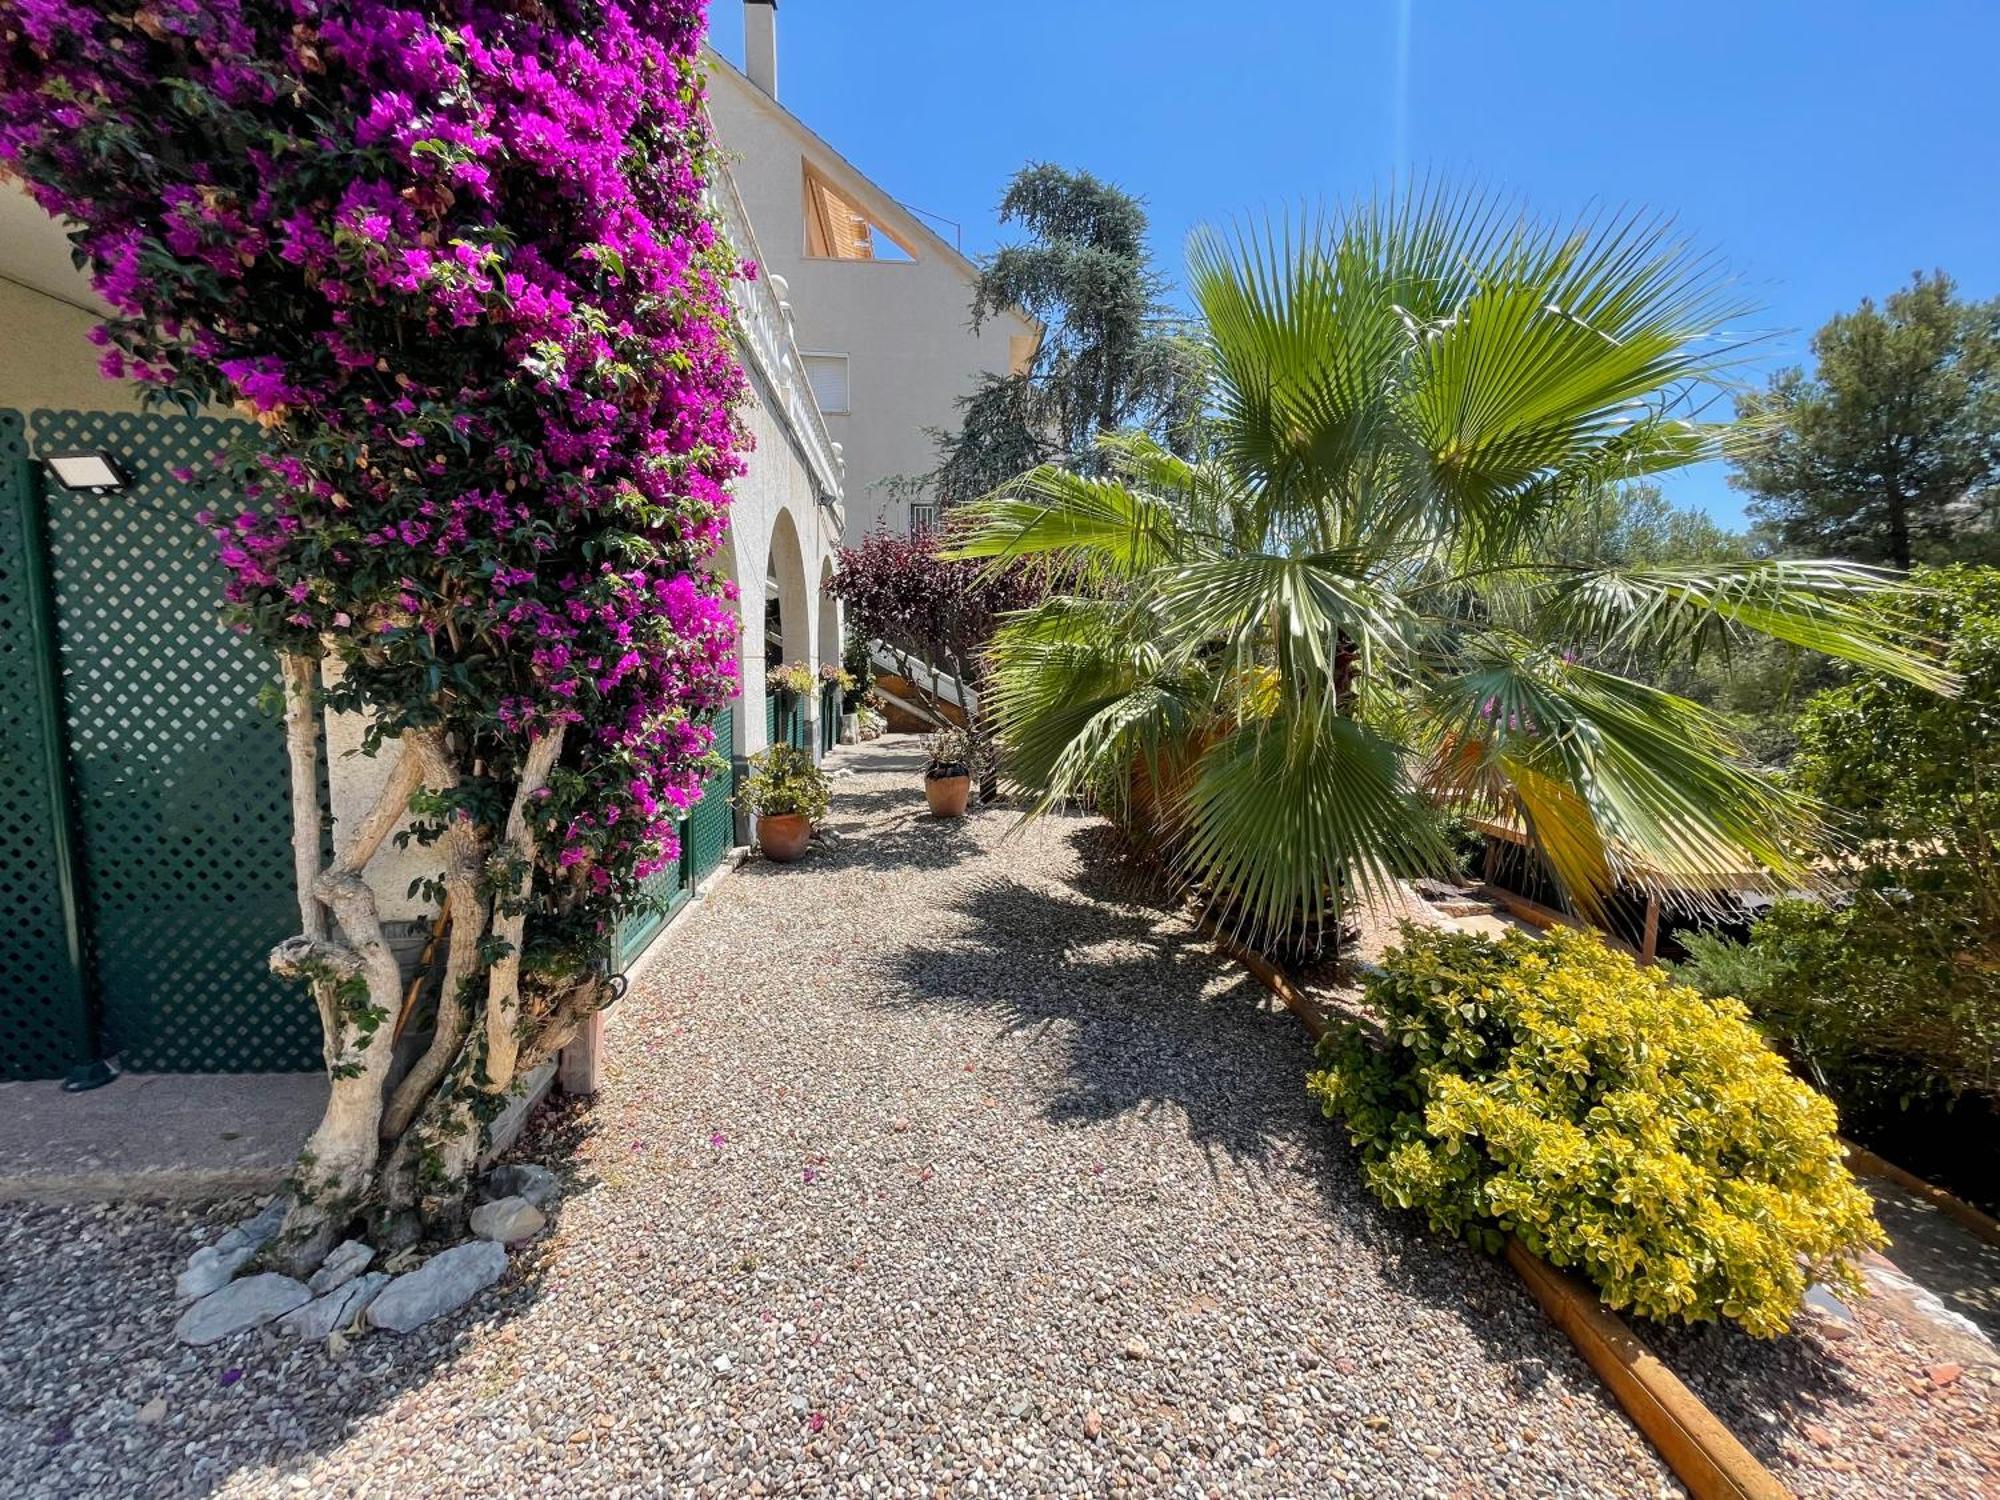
pixel 881 303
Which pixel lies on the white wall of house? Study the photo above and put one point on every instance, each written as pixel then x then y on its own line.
pixel 901 325
pixel 47 310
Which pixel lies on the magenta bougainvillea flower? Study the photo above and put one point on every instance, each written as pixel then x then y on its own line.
pixel 455 264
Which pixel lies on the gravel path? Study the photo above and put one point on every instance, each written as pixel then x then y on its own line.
pixel 930 1166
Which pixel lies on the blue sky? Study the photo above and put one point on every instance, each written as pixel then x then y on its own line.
pixel 1826 150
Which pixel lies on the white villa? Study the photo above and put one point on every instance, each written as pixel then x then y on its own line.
pixel 881 303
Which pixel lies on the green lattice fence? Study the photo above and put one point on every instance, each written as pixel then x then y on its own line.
pixel 176 780
pixel 706 834
pixel 712 825
pixel 44 1023
pixel 785 721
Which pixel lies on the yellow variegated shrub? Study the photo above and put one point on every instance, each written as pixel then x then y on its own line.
pixel 1615 1122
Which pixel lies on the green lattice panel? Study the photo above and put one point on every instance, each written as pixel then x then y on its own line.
pixel 706 834
pixel 711 826
pixel 44 1027
pixel 180 779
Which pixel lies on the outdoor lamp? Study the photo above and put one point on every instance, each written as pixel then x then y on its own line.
pixel 95 472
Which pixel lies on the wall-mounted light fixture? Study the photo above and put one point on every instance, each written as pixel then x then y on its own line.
pixel 93 473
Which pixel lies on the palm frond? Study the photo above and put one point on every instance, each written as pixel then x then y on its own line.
pixel 1622 783
pixel 1303 610
pixel 1285 824
pixel 1842 610
pixel 1092 527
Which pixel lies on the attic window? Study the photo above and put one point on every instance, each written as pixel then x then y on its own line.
pixel 838 228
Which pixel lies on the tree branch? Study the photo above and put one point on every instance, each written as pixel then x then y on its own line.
pixel 503 987
pixel 465 853
pixel 301 675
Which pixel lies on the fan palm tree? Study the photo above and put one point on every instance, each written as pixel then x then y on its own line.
pixel 1280 663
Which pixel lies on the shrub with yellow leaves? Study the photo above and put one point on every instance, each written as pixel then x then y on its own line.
pixel 1614 1122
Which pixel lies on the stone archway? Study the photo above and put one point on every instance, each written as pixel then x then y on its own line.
pixel 788 633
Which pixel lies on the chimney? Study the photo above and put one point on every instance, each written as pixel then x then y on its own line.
pixel 760 44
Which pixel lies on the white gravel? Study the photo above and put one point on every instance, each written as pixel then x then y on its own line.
pixel 928 1166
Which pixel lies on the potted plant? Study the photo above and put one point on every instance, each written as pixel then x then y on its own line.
pixel 787 794
pixel 834 675
pixel 795 678
pixel 948 771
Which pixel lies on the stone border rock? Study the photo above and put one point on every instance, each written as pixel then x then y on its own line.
pixel 1703 1453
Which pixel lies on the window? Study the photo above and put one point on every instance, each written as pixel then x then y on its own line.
pixel 828 375
pixel 838 228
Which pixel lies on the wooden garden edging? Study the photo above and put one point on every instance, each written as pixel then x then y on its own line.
pixel 1866 1163
pixel 1704 1454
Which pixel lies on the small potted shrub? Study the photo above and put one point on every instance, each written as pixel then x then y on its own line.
pixel 795 678
pixel 948 771
pixel 787 794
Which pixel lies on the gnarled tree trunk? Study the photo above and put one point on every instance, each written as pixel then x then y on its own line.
pixel 401 1150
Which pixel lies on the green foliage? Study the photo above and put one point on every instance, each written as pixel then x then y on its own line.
pixel 1893 995
pixel 1370 602
pixel 1890 451
pixel 784 782
pixel 1611 1120
pixel 1918 771
pixel 1110 354
pixel 857 660
pixel 1887 1001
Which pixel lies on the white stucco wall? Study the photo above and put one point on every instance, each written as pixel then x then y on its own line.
pixel 904 326
pixel 46 312
pixel 45 359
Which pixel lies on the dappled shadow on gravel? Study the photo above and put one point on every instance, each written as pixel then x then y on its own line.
pixel 1106 969
pixel 97 1397
pixel 1762 1389
pixel 1139 1018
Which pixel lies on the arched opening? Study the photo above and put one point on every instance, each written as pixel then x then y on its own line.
pixel 787 628
pixel 787 631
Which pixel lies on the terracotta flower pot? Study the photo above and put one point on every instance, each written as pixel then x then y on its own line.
pixel 948 795
pixel 783 837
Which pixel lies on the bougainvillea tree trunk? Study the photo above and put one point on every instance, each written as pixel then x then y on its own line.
pixel 455 262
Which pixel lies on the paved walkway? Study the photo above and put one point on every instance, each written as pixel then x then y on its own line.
pixel 931 1165
pixel 155 1135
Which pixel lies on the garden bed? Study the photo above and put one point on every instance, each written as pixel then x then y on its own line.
pixel 1867 1401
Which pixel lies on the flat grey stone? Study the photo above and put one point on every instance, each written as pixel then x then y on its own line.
pixel 336 1309
pixel 507 1220
pixel 239 1307
pixel 343 1263
pixel 210 1269
pixel 257 1232
pixel 1820 1298
pixel 523 1180
pixel 442 1283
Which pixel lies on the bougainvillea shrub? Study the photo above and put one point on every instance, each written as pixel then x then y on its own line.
pixel 455 261
pixel 1611 1120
